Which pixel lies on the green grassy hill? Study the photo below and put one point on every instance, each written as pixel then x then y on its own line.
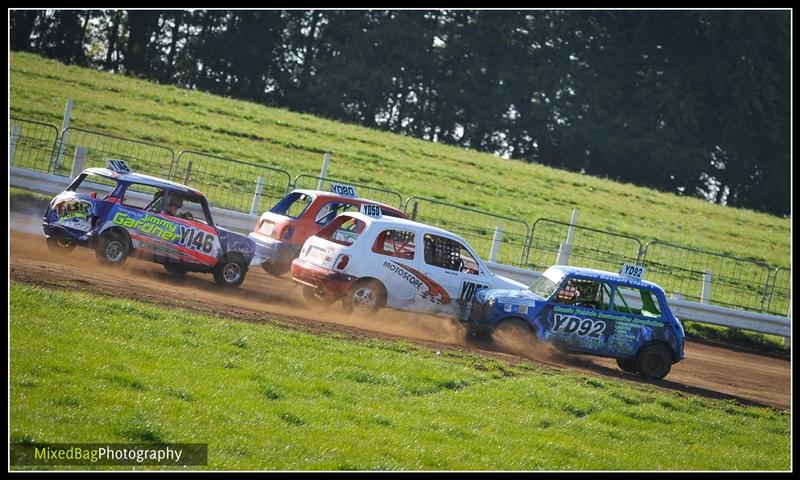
pixel 184 120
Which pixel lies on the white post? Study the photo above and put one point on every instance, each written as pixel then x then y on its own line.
pixel 326 160
pixel 565 248
pixel 498 237
pixel 12 143
pixel 64 126
pixel 787 341
pixel 78 162
pixel 254 208
pixel 706 294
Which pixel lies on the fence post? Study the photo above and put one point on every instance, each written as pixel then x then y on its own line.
pixel 78 162
pixel 414 211
pixel 705 296
pixel 498 238
pixel 12 143
pixel 254 207
pixel 64 126
pixel 787 341
pixel 188 173
pixel 565 248
pixel 326 160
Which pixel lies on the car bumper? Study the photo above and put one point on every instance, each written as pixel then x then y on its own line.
pixel 59 231
pixel 272 251
pixel 321 279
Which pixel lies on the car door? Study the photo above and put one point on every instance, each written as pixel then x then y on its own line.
pixel 580 315
pixel 452 272
pixel 197 239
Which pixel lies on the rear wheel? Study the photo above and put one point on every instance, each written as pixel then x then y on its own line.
pixel 113 248
pixel 230 271
pixel 627 365
pixel 364 298
pixel 654 361
pixel 60 246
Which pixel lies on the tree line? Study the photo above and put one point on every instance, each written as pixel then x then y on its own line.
pixel 691 102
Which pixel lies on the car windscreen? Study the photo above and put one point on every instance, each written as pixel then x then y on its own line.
pixel 343 230
pixel 293 205
pixel 88 183
pixel 543 287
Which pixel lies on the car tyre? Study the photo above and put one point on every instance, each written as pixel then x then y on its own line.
pixel 60 246
pixel 276 269
pixel 113 248
pixel 230 271
pixel 627 365
pixel 314 298
pixel 654 361
pixel 513 335
pixel 365 297
pixel 175 269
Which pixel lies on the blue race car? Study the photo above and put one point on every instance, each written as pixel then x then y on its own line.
pixel 588 311
pixel 119 213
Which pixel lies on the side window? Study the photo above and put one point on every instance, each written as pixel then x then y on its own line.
pixel 395 243
pixel 584 293
pixel 140 196
pixel 450 254
pixel 637 301
pixel 184 206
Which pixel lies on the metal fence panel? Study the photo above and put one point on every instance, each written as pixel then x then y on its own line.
pixel 31 144
pixel 382 195
pixel 735 282
pixel 591 247
pixel 230 183
pixel 779 293
pixel 476 226
pixel 143 157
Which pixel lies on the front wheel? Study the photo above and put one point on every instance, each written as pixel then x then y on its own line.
pixel 276 269
pixel 60 246
pixel 313 298
pixel 113 248
pixel 364 298
pixel 654 362
pixel 513 335
pixel 230 271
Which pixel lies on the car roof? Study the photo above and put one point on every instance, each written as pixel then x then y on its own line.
pixel 387 221
pixel 143 180
pixel 322 194
pixel 605 275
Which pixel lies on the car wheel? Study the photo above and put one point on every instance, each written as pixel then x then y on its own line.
pixel 60 246
pixel 313 298
pixel 654 361
pixel 230 271
pixel 627 365
pixel 276 269
pixel 513 335
pixel 113 248
pixel 175 269
pixel 364 298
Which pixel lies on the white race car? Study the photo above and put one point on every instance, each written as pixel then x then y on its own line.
pixel 370 261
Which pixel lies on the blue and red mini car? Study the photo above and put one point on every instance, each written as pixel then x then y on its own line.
pixel 119 213
pixel 588 311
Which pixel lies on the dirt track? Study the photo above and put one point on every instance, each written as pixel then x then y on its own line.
pixel 707 370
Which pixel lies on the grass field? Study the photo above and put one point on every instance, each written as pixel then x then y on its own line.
pixel 94 369
pixel 183 119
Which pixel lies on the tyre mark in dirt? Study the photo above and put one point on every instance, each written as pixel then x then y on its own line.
pixel 708 370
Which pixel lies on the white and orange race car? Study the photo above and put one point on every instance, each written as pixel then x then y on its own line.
pixel 370 261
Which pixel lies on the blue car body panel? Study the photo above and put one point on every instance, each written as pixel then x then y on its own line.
pixel 600 331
